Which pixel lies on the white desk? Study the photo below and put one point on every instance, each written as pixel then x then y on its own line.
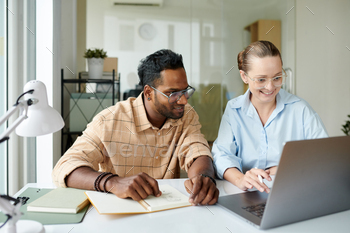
pixel 213 219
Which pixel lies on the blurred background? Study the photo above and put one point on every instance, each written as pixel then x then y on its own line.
pixel 39 38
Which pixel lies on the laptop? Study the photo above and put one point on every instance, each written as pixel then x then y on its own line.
pixel 312 180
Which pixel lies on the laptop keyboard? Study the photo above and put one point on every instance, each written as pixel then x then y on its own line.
pixel 257 210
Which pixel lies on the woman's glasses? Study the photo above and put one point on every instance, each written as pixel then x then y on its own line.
pixel 261 83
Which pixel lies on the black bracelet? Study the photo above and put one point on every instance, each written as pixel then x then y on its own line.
pixel 104 184
pixel 98 180
pixel 212 179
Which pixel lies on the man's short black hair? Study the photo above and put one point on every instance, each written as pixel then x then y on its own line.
pixel 151 66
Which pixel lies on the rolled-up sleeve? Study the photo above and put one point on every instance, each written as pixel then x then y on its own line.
pixel 225 148
pixel 85 152
pixel 192 143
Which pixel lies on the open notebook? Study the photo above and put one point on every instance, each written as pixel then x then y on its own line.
pixel 106 203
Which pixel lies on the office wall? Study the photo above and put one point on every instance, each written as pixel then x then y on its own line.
pixel 177 26
pixel 209 35
pixel 237 15
pixel 317 57
pixel 323 58
pixel 191 28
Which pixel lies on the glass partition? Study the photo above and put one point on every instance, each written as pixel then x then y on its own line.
pixel 208 34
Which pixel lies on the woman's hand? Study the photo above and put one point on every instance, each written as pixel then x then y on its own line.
pixel 272 170
pixel 248 180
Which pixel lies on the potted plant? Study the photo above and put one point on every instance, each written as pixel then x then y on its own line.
pixel 95 58
pixel 346 127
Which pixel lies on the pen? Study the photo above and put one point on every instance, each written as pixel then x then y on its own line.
pixel 259 176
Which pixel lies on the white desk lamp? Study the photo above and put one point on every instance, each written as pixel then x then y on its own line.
pixel 36 118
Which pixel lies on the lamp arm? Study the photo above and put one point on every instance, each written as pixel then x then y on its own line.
pixel 23 106
pixel 5 206
pixel 12 211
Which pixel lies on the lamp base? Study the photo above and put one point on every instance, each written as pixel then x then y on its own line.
pixel 25 226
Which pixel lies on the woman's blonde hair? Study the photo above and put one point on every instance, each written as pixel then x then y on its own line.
pixel 260 49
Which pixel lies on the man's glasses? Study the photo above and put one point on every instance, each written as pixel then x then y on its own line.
pixel 261 83
pixel 175 96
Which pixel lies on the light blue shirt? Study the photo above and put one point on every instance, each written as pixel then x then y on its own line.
pixel 243 142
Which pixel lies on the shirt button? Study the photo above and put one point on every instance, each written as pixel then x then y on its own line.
pixel 157 157
pixel 264 153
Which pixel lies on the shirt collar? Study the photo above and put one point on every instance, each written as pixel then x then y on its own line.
pixel 286 97
pixel 243 102
pixel 282 98
pixel 141 120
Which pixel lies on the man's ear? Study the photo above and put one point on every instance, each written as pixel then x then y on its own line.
pixel 243 76
pixel 147 92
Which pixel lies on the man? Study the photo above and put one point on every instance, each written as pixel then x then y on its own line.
pixel 142 139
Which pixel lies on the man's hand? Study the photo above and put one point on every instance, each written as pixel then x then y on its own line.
pixel 137 187
pixel 202 189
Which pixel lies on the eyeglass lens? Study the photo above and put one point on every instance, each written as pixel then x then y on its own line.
pixel 174 97
pixel 276 81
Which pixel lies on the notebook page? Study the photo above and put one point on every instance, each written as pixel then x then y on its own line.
pixel 170 198
pixel 108 203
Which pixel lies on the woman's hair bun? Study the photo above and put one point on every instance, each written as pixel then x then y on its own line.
pixel 240 60
pixel 259 49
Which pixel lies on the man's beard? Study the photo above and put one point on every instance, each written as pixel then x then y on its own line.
pixel 162 109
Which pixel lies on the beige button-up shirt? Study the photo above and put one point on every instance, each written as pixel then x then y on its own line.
pixel 121 140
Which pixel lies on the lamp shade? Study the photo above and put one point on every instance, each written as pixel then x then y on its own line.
pixel 42 119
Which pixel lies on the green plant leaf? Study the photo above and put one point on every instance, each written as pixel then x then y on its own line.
pixel 95 53
pixel 346 127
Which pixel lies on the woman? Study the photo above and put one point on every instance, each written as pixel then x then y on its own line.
pixel 255 125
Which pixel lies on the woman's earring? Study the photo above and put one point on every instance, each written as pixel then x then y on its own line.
pixel 149 98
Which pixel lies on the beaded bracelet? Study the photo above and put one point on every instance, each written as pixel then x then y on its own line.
pixel 104 184
pixel 98 180
pixel 212 179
